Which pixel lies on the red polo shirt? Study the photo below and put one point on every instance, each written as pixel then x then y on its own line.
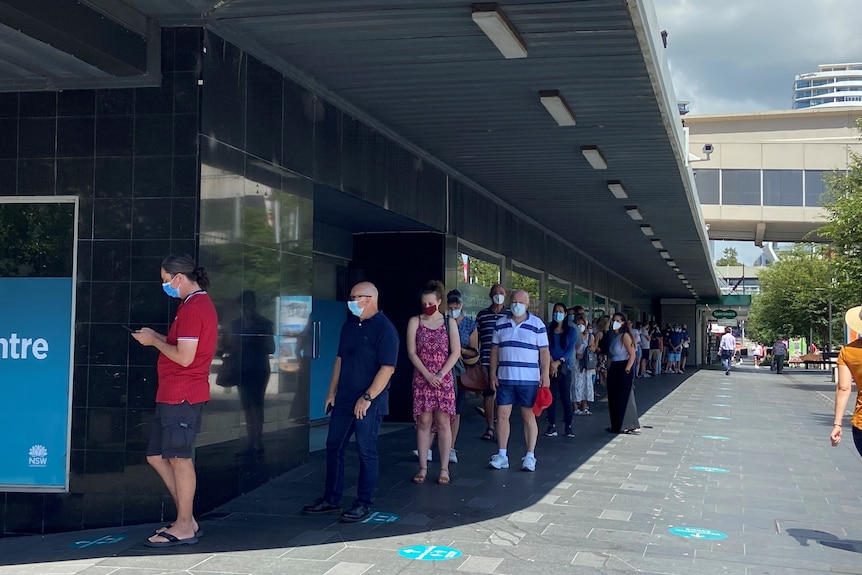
pixel 196 319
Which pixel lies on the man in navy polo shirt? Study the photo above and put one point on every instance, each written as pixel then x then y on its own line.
pixel 520 362
pixel 359 398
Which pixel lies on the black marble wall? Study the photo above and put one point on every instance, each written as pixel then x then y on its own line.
pixel 131 157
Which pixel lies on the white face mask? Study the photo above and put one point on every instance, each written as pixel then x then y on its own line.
pixel 617 325
pixel 455 313
pixel 499 299
pixel 582 328
pixel 518 309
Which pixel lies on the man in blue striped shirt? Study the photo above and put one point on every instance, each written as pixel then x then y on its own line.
pixel 519 364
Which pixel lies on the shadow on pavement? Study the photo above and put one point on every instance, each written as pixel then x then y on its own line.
pixel 269 517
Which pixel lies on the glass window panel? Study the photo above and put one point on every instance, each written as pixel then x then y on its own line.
pixel 480 275
pixel 782 187
pixel 814 188
pixel 599 306
pixel 740 187
pixel 707 186
pixel 581 297
pixel 557 292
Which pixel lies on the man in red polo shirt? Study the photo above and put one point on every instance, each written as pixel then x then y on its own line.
pixel 183 368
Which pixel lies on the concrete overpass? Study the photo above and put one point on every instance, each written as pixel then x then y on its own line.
pixel 763 179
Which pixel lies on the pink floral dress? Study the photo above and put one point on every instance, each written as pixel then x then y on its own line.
pixel 432 347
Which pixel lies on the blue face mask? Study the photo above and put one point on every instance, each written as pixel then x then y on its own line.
pixel 518 309
pixel 558 317
pixel 171 291
pixel 354 308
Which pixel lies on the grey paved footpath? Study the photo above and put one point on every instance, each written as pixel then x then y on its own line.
pixel 598 503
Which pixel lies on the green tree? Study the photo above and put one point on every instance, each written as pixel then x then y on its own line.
pixel 794 298
pixel 843 204
pixel 730 258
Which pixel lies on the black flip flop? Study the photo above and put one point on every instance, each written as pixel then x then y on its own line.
pixel 172 541
pixel 199 533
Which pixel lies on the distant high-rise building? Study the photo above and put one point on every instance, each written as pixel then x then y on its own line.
pixel 831 85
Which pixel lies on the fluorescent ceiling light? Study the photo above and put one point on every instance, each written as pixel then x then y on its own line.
pixel 557 107
pixel 594 156
pixel 617 189
pixel 676 269
pixel 493 22
pixel 671 263
pixel 664 254
pixel 657 244
pixel 647 230
pixel 634 213
pixel 681 276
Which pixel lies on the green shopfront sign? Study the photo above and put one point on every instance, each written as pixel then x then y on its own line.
pixel 724 314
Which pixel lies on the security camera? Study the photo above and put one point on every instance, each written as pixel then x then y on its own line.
pixel 708 149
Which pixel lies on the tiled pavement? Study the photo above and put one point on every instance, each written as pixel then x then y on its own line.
pixel 787 502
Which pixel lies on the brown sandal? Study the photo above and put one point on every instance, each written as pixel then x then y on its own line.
pixel 444 479
pixel 420 477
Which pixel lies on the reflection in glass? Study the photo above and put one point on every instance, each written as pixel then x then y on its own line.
pixel 474 282
pixel 707 186
pixel 782 187
pixel 814 188
pixel 37 239
pixel 256 233
pixel 740 187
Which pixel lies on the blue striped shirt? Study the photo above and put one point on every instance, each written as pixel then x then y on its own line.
pixel 518 347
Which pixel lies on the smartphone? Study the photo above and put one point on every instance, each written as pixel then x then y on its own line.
pixel 328 408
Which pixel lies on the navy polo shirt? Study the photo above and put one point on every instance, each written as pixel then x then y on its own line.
pixel 364 346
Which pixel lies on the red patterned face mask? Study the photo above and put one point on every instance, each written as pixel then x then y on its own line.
pixel 429 310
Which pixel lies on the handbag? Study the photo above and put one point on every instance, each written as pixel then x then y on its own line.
pixel 229 374
pixel 474 378
pixel 459 368
pixel 590 359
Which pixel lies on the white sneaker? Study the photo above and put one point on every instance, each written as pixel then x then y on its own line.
pixel 416 454
pixel 528 463
pixel 453 456
pixel 586 412
pixel 577 412
pixel 499 461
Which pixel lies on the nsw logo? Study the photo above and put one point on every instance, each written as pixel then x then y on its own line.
pixel 38 456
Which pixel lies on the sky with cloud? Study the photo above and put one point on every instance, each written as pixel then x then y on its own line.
pixel 742 55
pixel 730 56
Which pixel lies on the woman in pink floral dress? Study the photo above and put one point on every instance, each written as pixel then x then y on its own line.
pixel 433 354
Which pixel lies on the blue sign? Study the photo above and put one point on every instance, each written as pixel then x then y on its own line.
pixel 381 517
pixel 106 540
pixel 697 533
pixel 429 553
pixel 718 417
pixel 35 382
pixel 716 437
pixel 709 469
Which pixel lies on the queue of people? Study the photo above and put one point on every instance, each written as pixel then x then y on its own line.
pixel 527 364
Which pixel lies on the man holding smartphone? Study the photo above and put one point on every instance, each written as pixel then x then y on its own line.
pixel 358 399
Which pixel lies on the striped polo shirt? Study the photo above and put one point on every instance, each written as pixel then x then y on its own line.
pixel 485 321
pixel 518 350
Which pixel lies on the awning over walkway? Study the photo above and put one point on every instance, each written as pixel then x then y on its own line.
pixel 427 74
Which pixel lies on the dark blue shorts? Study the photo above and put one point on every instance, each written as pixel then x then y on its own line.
pixel 174 428
pixel 521 395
